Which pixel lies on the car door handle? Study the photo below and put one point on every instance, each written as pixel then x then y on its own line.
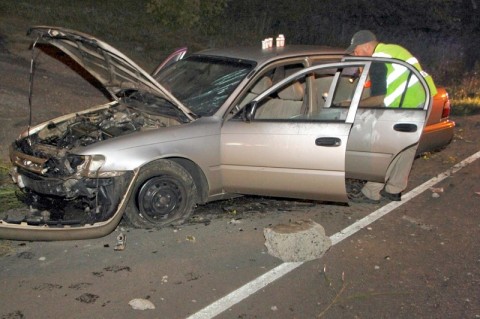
pixel 328 141
pixel 405 127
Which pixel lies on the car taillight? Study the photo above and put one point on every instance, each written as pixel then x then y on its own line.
pixel 446 107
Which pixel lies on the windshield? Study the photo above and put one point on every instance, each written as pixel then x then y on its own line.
pixel 203 83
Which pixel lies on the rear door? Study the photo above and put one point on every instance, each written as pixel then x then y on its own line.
pixel 281 145
pixel 380 132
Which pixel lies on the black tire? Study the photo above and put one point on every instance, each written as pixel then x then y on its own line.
pixel 164 194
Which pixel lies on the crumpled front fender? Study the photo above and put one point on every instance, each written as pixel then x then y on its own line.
pixel 23 231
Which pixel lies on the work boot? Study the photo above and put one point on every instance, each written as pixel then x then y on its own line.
pixel 393 197
pixel 362 199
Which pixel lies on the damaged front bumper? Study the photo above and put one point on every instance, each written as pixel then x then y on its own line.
pixel 49 230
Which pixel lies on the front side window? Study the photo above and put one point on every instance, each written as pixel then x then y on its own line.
pixel 287 103
pixel 268 77
pixel 324 95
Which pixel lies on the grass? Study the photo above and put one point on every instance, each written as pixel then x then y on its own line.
pixel 129 26
pixel 8 191
pixel 124 24
pixel 466 106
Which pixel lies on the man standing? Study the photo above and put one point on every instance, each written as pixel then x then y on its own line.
pixel 390 93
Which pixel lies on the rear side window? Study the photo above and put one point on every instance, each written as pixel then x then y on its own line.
pixel 399 86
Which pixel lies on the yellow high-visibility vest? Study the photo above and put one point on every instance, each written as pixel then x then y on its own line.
pixel 398 77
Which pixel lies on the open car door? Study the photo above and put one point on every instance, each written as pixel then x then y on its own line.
pixel 381 132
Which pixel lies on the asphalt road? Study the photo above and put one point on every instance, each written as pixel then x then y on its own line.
pixel 421 260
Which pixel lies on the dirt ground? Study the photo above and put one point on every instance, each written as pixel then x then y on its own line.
pixel 58 90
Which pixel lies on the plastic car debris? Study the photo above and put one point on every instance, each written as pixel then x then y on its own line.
pixel 121 242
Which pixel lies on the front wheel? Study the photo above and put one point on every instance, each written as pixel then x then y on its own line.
pixel 164 194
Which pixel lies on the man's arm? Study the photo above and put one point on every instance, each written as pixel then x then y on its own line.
pixel 378 87
pixel 372 101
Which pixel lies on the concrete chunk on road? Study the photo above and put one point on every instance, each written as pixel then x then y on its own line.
pixel 302 240
pixel 141 304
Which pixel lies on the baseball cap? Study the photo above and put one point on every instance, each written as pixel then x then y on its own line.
pixel 361 37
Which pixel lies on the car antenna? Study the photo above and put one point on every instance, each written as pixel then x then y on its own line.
pixel 30 89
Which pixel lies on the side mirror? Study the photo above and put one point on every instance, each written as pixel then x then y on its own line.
pixel 249 111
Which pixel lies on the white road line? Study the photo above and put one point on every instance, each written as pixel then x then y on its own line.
pixel 255 285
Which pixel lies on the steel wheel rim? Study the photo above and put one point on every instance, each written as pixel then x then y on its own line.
pixel 160 198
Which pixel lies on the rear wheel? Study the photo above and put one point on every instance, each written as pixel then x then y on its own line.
pixel 164 194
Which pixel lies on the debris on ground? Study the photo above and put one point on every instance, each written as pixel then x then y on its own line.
pixel 141 304
pixel 121 242
pixel 5 247
pixel 418 222
pixel 297 241
pixel 436 191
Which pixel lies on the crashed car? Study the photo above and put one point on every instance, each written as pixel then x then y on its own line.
pixel 281 121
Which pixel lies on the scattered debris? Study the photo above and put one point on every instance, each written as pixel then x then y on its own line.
pixel 47 286
pixel 191 276
pixel 298 241
pixel 451 160
pixel 338 293
pixel 235 221
pixel 141 304
pixel 25 255
pixel 42 258
pixel 14 315
pixel 6 248
pixel 190 238
pixel 417 222
pixel 426 155
pixel 87 298
pixel 116 268
pixel 80 285
pixel 436 189
pixel 121 242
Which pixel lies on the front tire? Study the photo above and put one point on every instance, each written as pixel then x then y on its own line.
pixel 164 194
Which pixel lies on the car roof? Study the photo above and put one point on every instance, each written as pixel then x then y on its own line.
pixel 261 56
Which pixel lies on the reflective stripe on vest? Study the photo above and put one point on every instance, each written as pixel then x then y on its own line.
pixel 397 77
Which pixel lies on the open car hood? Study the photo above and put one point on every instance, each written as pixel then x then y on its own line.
pixel 108 65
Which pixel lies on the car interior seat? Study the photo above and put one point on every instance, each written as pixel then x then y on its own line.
pixel 262 85
pixel 288 104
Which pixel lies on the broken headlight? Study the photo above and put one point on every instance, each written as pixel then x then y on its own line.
pixel 87 165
